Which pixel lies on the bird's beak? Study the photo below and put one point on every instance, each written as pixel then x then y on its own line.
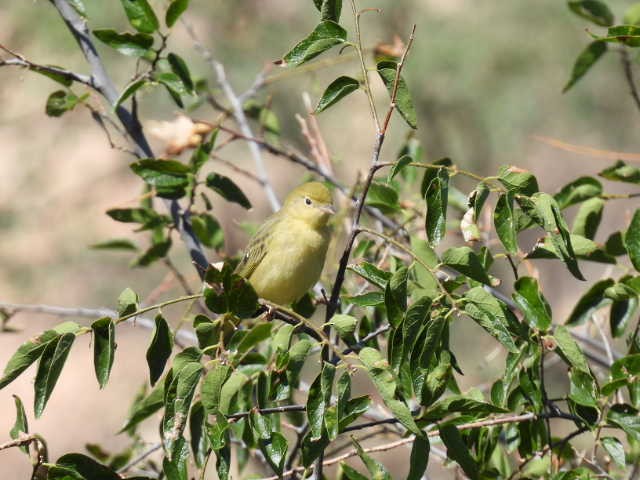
pixel 328 209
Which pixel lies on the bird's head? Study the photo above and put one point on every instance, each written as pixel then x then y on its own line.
pixel 310 202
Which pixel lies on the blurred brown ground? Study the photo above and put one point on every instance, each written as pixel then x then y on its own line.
pixel 485 77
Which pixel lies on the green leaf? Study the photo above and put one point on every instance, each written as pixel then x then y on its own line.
pixel 399 166
pixel 371 273
pixel 326 35
pixel 176 8
pixel 621 172
pixel 50 366
pixel 590 302
pixel 395 296
pixel 627 418
pixel 383 379
pixel 628 35
pixel 588 218
pixel 535 307
pixel 159 349
pixel 145 407
pixel 578 191
pixel 419 458
pixel 104 348
pixel 180 68
pixel 131 44
pixel 587 59
pixel 465 261
pixel 388 71
pixel 26 354
pixel 56 77
pixel 369 299
pixel 198 439
pixel 570 350
pixel 488 311
pixel 115 244
pixel 257 334
pixel 375 468
pixel 129 90
pixel 615 449
pixel 505 223
pixel 345 325
pixel 545 212
pixel 272 444
pixel 319 400
pixel 582 388
pixel 227 189
pixel 350 473
pixel 336 91
pixel 436 196
pixel 518 180
pixel 177 405
pixel 85 467
pixel 458 451
pixel 208 230
pixel 60 102
pixel 234 383
pixel 169 177
pixel 147 217
pixel 127 302
pixel 632 240
pixel 140 15
pixel 173 84
pixel 383 197
pixel 175 466
pixel 212 387
pixel 330 9
pixel 593 10
pixel 20 425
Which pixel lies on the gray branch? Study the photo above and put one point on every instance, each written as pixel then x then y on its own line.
pixel 103 84
pixel 185 335
pixel 238 111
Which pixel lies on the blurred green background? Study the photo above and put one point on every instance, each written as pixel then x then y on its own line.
pixel 485 78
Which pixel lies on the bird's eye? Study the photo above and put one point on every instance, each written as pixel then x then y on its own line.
pixel 307 200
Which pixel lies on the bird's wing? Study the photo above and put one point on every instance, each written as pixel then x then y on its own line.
pixel 257 248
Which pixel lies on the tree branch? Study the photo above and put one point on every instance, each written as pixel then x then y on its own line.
pixel 102 83
pixel 238 112
pixel 185 335
pixel 20 61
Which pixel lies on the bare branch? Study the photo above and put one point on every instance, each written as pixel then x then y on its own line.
pixel 185 335
pixel 238 111
pixel 23 62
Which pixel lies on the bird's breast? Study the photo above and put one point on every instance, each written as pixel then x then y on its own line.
pixel 293 262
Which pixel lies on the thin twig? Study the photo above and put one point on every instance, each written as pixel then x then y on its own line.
pixel 19 442
pixel 238 111
pixel 185 335
pixel 375 158
pixel 268 411
pixel 23 62
pixel 405 441
pixel 140 457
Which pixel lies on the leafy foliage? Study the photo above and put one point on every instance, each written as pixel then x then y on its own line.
pixel 421 259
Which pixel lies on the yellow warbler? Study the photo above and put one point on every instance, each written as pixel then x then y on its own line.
pixel 286 255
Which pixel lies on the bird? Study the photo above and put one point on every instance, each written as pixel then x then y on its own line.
pixel 286 255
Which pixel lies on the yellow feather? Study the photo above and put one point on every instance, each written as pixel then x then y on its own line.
pixel 285 257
